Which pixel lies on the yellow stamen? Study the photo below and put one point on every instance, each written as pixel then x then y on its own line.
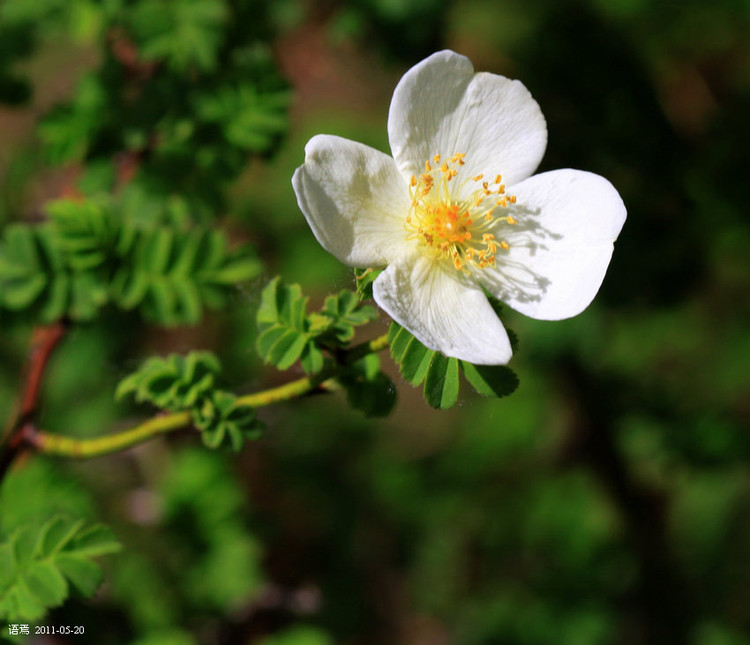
pixel 451 223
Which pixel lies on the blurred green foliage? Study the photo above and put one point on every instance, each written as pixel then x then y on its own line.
pixel 606 501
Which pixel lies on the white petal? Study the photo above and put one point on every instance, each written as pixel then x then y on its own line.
pixel 443 310
pixel 559 251
pixel 441 107
pixel 354 199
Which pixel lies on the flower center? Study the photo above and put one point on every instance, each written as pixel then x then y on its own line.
pixel 452 226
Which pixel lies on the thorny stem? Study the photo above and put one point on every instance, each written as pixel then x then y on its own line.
pixel 54 444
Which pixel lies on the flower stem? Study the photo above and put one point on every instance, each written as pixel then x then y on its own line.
pixel 54 444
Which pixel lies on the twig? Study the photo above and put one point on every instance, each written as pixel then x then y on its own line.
pixel 62 446
pixel 21 428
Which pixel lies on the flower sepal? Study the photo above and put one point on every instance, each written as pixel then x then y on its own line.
pixel 440 373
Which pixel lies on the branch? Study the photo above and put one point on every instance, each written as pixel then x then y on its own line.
pixel 44 340
pixel 20 428
pixel 54 444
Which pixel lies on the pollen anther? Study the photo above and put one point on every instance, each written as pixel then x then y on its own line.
pixel 450 222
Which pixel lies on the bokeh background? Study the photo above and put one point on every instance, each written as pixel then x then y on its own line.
pixel 606 502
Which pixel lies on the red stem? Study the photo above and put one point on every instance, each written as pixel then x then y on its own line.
pixel 21 430
pixel 44 340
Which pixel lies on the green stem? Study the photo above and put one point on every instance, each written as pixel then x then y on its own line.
pixel 54 444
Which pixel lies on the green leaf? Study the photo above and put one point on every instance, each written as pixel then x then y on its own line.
pixel 441 382
pixel 416 361
pixel 84 575
pixel 184 33
pixel 283 305
pixel 85 257
pixel 20 294
pixel 412 357
pixel 281 346
pixel 398 341
pixel 283 324
pixel 224 422
pixel 86 232
pixel 490 380
pixel 22 278
pixel 250 118
pixel 368 389
pixel 189 383
pixel 46 583
pixel 68 131
pixel 174 383
pixel 312 360
pixel 38 563
pixel 346 312
pixel 365 278
pixel 172 275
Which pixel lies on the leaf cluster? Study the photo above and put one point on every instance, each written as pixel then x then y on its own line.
pixel 86 257
pixel 287 333
pixel 189 383
pixel 439 373
pixel 186 89
pixel 39 564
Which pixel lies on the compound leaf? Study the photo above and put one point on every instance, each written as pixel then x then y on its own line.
pixel 38 563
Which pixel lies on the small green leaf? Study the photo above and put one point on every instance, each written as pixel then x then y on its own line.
pixel 46 583
pixel 398 340
pixel 93 541
pixel 224 422
pixel 365 278
pixel 490 380
pixel 173 383
pixel 237 270
pixel 20 294
pixel 182 33
pixel 416 361
pixel 283 305
pixel 56 534
pixel 441 382
pixel 287 349
pixel 129 287
pixel 412 357
pixel 346 312
pixel 85 575
pixel 368 389
pixel 312 360
pixel 58 298
pixel 157 251
pixel 285 328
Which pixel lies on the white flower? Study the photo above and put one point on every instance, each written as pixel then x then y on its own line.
pixel 455 212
